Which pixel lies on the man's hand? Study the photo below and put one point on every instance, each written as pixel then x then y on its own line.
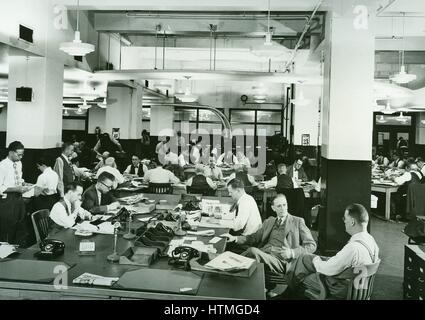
pixel 114 206
pixel 229 237
pixel 286 253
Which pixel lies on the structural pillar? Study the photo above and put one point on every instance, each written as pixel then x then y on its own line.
pixel 347 117
pixel 37 124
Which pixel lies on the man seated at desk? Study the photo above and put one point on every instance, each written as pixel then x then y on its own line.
pixel 212 171
pixel 184 158
pixel 241 173
pixel 227 158
pixel 297 173
pixel 65 212
pixel 160 175
pixel 171 158
pixel 200 183
pixel 101 163
pixel 280 239
pixel 111 167
pixel 248 219
pixel 360 250
pixel 136 167
pixel 282 181
pixel 98 199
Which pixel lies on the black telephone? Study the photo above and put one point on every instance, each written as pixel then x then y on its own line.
pixel 181 256
pixel 122 215
pixel 51 248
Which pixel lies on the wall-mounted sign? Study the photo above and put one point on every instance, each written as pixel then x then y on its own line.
pixel 305 140
pixel 116 133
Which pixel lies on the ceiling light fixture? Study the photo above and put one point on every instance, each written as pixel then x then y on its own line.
pixel 387 109
pixel 381 119
pixel 85 106
pixel 268 49
pixel 301 100
pixel 103 105
pixel 403 77
pixel 401 118
pixel 65 113
pixel 77 47
pixel 80 111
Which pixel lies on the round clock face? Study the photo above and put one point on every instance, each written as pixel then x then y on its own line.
pixel 244 98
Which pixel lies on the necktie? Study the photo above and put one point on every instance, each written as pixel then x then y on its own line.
pixel 15 168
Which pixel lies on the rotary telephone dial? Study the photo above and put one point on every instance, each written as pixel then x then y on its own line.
pixel 181 256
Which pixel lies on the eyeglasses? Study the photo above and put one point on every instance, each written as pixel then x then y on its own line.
pixel 20 155
pixel 108 187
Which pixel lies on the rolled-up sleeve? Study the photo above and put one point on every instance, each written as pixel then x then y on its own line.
pixel 336 264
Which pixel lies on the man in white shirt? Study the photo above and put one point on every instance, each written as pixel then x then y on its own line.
pixel 248 219
pixel 12 207
pixel 242 159
pixel 65 212
pixel 421 165
pixel 160 175
pixel 111 167
pixel 63 167
pixel 184 158
pixel 46 190
pixel 227 158
pixel 171 158
pixel 360 250
pixel 213 172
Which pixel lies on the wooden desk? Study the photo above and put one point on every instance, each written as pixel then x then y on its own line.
pixel 212 286
pixel 381 188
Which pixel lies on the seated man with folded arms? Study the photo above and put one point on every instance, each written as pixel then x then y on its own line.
pixel 65 212
pixel 248 219
pixel 360 250
pixel 160 175
pixel 98 198
pixel 280 240
pixel 200 182
pixel 281 181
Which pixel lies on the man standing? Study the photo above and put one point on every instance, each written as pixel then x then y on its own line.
pixel 46 190
pixel 64 169
pixel 361 249
pixel 12 207
pixel 98 199
pixel 248 219
pixel 280 239
pixel 65 212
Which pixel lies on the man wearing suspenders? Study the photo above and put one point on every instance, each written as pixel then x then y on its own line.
pixel 360 250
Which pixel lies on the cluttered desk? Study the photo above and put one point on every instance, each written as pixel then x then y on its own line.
pixel 152 253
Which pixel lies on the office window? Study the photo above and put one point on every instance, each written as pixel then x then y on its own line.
pixel 242 116
pixel 268 121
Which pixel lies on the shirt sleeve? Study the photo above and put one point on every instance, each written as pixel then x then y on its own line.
pixel 336 264
pixel 147 176
pixel 252 180
pixel 403 179
pixel 97 147
pixel 243 214
pixel 189 182
pixel 211 183
pixel 127 171
pixel 220 160
pixel 271 183
pixel 3 188
pixel 173 178
pixel 59 170
pixel 60 217
pixel 41 182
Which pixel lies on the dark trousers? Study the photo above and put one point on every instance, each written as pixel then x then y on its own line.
pixel 13 227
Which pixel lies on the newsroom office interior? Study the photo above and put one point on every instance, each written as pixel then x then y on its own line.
pixel 97 97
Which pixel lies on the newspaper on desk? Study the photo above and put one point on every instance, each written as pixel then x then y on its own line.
pixel 103 228
pixel 215 208
pixel 6 250
pixel 213 223
pixel 229 261
pixel 95 280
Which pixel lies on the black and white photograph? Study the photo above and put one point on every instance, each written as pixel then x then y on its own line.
pixel 269 151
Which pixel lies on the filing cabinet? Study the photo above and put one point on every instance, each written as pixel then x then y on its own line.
pixel 414 273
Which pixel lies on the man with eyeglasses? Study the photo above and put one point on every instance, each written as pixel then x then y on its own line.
pixel 98 199
pixel 12 186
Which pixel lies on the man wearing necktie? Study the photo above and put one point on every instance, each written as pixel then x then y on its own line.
pixel 280 239
pixel 12 206
pixel 297 173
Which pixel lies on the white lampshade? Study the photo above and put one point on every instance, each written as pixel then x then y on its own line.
pixel 387 109
pixel 403 77
pixel 80 111
pixel 85 106
pixel 77 47
pixel 301 100
pixel 103 104
pixel 269 49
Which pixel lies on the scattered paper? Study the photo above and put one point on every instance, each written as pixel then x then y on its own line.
pixel 189 238
pixel 95 280
pixel 229 261
pixel 215 240
pixel 6 250
pixel 203 233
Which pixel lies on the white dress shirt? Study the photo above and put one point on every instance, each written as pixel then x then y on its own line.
pixel 161 175
pixel 251 179
pixel 214 173
pixel 423 170
pixel 48 182
pixel 295 178
pixel 171 158
pixel 7 174
pixel 182 161
pixel 353 254
pixel 405 177
pixel 61 217
pixel 248 218
pixel 136 169
pixel 272 183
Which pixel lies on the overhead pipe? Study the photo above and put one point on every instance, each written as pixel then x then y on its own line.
pixel 306 28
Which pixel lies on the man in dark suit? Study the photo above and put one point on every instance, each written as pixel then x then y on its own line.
pixel 98 199
pixel 296 172
pixel 280 240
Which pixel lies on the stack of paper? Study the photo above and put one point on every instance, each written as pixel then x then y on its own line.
pixel 6 250
pixel 95 280
pixel 229 261
pixel 215 223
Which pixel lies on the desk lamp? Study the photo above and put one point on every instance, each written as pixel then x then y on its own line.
pixel 180 231
pixel 129 235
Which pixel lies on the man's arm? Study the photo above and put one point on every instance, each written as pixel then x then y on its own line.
pixel 271 183
pixel 60 216
pixel 243 214
pixel 251 179
pixel 58 168
pixel 252 239
pixel 173 178
pixel 308 245
pixel 127 171
pixel 211 184
pixel 336 264
pixel 189 182
pixel 303 175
